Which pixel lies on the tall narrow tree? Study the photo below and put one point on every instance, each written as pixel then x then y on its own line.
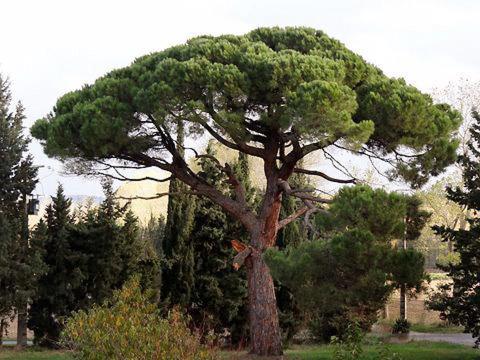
pixel 17 181
pixel 410 263
pixel 219 292
pixel 458 301
pixel 177 271
pixel 56 290
pixel 275 94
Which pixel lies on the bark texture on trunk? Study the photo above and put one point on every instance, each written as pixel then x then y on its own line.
pixel 265 335
pixel 22 327
pixel 403 302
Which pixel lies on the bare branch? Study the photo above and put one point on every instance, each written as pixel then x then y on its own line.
pixel 325 176
pixel 157 196
pixel 124 178
pixel 284 222
pixel 285 186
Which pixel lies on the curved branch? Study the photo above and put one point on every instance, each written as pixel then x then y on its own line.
pixel 156 196
pixel 285 186
pixel 325 176
pixel 250 150
pixel 284 222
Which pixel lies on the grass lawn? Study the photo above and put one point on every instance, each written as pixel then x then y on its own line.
pixel 437 328
pixel 33 354
pixel 409 351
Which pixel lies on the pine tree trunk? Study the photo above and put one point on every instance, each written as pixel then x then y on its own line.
pixel 265 336
pixel 22 327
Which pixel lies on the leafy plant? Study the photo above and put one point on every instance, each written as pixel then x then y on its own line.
pixel 130 327
pixel 401 326
pixel 350 346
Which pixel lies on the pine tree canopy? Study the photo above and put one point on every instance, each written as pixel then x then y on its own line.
pixel 298 83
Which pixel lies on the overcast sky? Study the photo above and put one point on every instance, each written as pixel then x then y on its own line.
pixel 50 47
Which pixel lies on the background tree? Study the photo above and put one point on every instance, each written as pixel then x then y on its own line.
pixel 178 257
pixel 87 258
pixel 6 297
pixel 219 292
pixel 360 276
pixel 56 289
pixel 458 301
pixel 409 264
pixel 443 212
pixel 153 234
pixel 337 281
pixel 275 94
pixel 20 267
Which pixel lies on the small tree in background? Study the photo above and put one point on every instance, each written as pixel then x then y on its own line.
pixel 87 258
pixel 20 265
pixel 458 301
pixel 409 264
pixel 357 247
pixel 336 282
pixel 219 292
pixel 56 289
pixel 178 258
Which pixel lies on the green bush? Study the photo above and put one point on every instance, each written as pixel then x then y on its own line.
pixel 130 328
pixel 401 326
pixel 350 347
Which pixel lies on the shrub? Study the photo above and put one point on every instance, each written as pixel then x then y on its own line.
pixel 401 326
pixel 350 347
pixel 130 328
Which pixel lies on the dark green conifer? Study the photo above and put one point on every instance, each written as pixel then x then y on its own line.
pixel 219 291
pixel 178 258
pixel 459 301
pixel 18 178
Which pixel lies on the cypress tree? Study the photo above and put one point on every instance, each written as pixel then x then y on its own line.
pixel 56 297
pixel 88 258
pixel 291 235
pixel 17 181
pixel 219 292
pixel 6 284
pixel 458 301
pixel 178 258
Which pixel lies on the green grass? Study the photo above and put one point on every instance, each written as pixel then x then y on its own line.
pixel 409 351
pixel 33 354
pixel 437 328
